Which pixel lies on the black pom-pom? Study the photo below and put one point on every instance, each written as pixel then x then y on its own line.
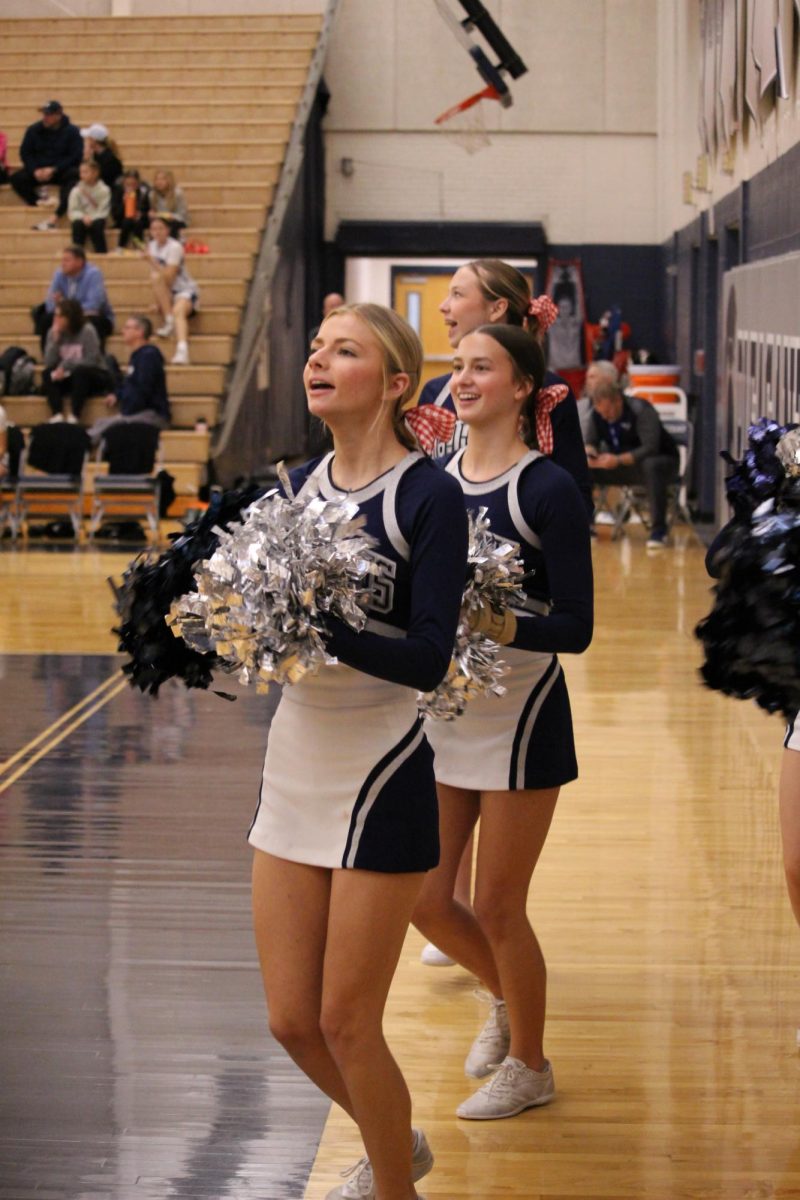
pixel 148 588
pixel 751 637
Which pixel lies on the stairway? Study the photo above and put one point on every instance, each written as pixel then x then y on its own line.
pixel 210 98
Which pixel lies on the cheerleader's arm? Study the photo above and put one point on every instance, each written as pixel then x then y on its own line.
pixel 438 541
pixel 553 508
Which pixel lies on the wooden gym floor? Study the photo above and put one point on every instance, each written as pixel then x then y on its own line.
pixel 135 1059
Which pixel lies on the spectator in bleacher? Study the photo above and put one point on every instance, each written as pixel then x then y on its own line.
pixel 168 201
pixel 175 291
pixel 51 153
pixel 626 444
pixel 90 207
pixel 100 147
pixel 130 207
pixel 4 175
pixel 76 280
pixel 74 365
pixel 4 422
pixel 142 393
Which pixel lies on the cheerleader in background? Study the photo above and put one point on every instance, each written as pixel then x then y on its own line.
pixel 347 821
pixel 505 759
pixel 487 292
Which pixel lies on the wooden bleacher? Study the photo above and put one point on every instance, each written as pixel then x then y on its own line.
pixel 212 99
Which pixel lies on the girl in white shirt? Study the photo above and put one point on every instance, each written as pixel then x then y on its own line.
pixel 175 291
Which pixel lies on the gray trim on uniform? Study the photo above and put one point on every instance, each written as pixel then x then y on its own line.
pixel 531 605
pixel 319 474
pixel 530 724
pixel 389 507
pixel 520 524
pixel 508 479
pixel 390 631
pixel 444 395
pixel 375 791
pixel 329 491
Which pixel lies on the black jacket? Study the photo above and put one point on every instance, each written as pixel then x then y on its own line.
pixel 60 146
pixel 144 384
pixel 638 431
pixel 110 166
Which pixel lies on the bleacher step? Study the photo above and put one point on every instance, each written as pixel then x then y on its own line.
pixel 26 411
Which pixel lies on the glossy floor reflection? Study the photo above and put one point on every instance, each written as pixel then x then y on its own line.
pixel 136 1061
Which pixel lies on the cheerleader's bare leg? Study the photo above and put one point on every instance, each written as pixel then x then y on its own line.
pixel 442 919
pixel 514 826
pixel 369 916
pixel 291 902
pixel 329 943
pixel 463 885
pixel 789 804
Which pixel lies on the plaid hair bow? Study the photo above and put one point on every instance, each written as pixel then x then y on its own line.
pixel 546 400
pixel 430 424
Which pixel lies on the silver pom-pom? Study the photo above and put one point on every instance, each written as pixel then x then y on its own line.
pixel 262 597
pixel 788 451
pixel 495 578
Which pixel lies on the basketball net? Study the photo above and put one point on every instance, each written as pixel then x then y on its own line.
pixel 465 123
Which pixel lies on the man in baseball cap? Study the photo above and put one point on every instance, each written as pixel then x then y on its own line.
pixel 51 153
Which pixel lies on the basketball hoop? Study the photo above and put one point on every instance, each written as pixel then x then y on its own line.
pixel 464 123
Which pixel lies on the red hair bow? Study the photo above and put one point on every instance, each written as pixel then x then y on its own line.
pixel 430 424
pixel 545 311
pixel 546 400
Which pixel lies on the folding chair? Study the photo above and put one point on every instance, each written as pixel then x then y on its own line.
pixel 130 491
pixel 58 451
pixel 669 402
pixel 682 432
pixel 618 513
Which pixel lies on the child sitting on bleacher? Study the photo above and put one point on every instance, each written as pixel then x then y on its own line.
pixel 131 209
pixel 89 207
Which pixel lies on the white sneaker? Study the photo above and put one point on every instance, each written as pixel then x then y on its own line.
pixel 511 1090
pixel 491 1045
pixel 657 541
pixel 360 1185
pixel 432 956
pixel 181 356
pixel 167 329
